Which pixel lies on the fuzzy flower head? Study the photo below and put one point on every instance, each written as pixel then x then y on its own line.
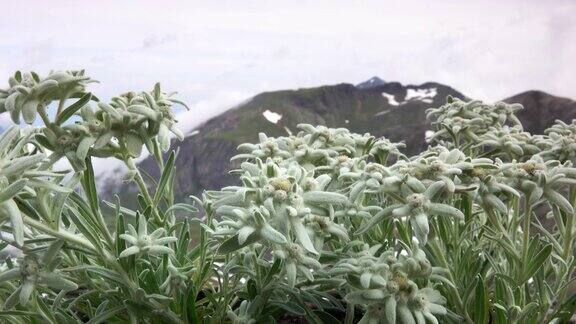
pixel 560 144
pixel 33 273
pixel 29 92
pixel 296 262
pixel 388 286
pixel 20 173
pixel 418 206
pixel 459 121
pixel 274 205
pixel 176 281
pixel 142 242
pixel 538 178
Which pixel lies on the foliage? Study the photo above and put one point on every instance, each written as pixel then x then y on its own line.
pixel 326 224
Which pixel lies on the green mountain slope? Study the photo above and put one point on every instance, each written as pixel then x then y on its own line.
pixel 392 110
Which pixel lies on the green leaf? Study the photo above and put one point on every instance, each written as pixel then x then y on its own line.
pixel 85 223
pixel 374 220
pixel 166 173
pixel 273 270
pixel 231 244
pixel 566 310
pixel 9 208
pixel 536 262
pixel 120 229
pixel 100 272
pixel 403 232
pixel 123 210
pixel 191 314
pixel 89 185
pixel 16 313
pixel 184 207
pixel 324 197
pixel 73 108
pixel 13 189
pixel 44 311
pixel 104 316
pixel 290 307
pixel 251 288
pixel 481 307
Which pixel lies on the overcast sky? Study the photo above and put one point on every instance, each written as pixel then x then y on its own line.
pixel 219 54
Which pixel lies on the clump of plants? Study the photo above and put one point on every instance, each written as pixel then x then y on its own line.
pixel 326 225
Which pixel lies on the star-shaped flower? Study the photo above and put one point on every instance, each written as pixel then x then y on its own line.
pixel 142 242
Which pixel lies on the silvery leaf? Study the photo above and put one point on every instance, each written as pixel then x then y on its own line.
pixel 323 197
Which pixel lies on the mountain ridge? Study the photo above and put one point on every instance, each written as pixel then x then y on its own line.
pixel 392 109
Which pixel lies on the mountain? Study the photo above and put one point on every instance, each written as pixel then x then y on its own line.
pixel 389 109
pixel 371 83
pixel 542 109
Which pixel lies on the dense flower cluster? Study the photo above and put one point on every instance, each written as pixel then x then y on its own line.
pixel 322 220
pixel 117 129
pixel 304 194
pixel 21 173
pixel 29 93
pixel 389 285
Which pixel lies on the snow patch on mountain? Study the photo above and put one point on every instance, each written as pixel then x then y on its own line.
pixel 425 95
pixel 391 99
pixel 271 116
pixel 420 94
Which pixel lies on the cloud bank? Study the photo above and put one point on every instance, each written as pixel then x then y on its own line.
pixel 219 54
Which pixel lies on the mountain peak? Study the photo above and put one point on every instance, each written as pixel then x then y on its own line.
pixel 371 83
pixel 389 109
pixel 541 109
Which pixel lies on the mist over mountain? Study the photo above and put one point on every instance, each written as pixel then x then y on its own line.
pixel 381 108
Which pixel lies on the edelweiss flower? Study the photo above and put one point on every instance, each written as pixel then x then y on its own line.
pixel 296 261
pixel 419 207
pixel 175 281
pixel 28 92
pixel 537 179
pixel 142 242
pixel 273 204
pixel 32 273
pixel 388 288
pixel 20 173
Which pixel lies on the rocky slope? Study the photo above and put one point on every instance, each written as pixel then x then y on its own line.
pixel 542 109
pixel 391 109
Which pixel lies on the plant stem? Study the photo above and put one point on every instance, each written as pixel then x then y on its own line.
pixel 444 264
pixel 101 221
pixel 42 112
pixel 139 180
pixel 142 186
pixel 69 237
pixel 349 314
pixel 158 155
pixel 569 230
pixel 74 239
pixel 527 218
pixel 94 205
pixel 515 220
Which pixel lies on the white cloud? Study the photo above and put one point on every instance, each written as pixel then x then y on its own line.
pixel 203 110
pixel 217 54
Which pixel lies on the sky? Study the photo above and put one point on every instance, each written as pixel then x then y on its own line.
pixel 217 54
